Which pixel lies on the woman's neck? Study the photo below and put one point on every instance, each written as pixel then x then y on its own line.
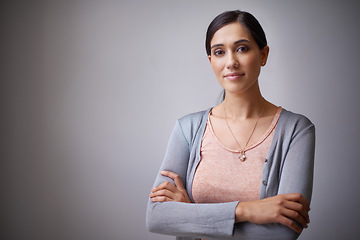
pixel 244 106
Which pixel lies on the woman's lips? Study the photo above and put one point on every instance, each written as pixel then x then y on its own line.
pixel 234 76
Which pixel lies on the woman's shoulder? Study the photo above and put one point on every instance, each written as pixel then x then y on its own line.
pixel 190 124
pixel 195 117
pixel 289 119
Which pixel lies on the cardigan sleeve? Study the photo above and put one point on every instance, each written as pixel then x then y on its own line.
pixel 296 172
pixel 297 169
pixel 187 219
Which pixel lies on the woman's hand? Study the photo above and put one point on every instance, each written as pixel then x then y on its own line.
pixel 169 192
pixel 278 209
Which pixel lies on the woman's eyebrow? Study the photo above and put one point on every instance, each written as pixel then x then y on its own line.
pixel 240 41
pixel 217 45
pixel 237 42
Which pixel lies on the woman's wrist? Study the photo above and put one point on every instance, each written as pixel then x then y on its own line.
pixel 240 213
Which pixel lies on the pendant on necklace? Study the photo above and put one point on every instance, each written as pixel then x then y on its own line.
pixel 242 156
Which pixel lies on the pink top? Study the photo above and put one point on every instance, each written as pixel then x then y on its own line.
pixel 222 177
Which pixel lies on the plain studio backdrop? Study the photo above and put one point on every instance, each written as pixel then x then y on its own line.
pixel 90 91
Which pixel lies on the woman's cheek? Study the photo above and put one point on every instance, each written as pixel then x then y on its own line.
pixel 217 66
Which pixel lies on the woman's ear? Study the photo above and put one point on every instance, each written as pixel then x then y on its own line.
pixel 264 55
pixel 209 56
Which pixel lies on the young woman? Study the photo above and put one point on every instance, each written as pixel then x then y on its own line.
pixel 244 168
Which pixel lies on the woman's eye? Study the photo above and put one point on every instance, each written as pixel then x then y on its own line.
pixel 218 52
pixel 242 49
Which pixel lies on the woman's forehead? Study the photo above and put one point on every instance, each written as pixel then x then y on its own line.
pixel 231 33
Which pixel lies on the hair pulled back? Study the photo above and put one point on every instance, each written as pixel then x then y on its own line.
pixel 247 20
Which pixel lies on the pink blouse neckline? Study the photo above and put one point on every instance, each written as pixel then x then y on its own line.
pixel 266 134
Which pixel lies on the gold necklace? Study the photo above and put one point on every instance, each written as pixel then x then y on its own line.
pixel 242 155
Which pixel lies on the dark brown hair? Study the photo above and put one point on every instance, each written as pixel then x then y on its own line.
pixel 246 19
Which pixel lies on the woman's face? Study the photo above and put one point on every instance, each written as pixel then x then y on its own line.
pixel 236 58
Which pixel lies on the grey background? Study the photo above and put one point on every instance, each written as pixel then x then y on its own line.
pixel 90 91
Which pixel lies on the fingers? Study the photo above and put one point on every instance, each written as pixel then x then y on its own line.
pixel 165 185
pixel 294 215
pixel 161 199
pixel 163 193
pixel 298 212
pixel 175 177
pixel 296 208
pixel 291 224
pixel 167 191
pixel 162 196
pixel 297 197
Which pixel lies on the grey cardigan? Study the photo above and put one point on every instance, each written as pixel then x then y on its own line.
pixel 288 169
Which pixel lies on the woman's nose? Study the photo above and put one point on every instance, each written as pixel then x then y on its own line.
pixel 232 61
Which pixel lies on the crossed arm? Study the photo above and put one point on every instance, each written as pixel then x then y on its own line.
pixel 281 208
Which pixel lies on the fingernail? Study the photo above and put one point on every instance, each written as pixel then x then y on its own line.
pixel 162 172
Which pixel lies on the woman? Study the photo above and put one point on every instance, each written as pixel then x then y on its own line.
pixel 244 168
